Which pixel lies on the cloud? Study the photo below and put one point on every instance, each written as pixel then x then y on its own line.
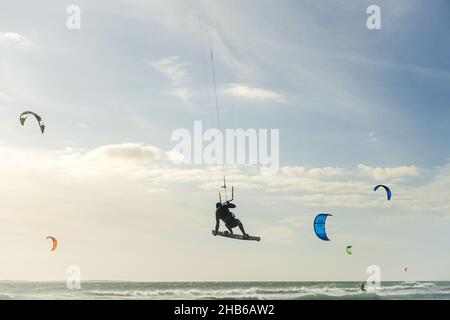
pixel 128 151
pixel 172 68
pixel 311 187
pixel 244 91
pixel 432 197
pixel 351 188
pixel 181 92
pixel 315 172
pixel 389 174
pixel 90 199
pixel 176 71
pixel 14 38
pixel 337 200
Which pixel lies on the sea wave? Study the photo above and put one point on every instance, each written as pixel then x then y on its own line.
pixel 229 291
pixel 261 293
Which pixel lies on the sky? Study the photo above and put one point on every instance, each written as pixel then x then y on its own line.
pixel 354 107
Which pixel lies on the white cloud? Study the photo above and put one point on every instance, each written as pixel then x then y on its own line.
pixel 389 174
pixel 338 200
pixel 244 91
pixel 327 172
pixel 12 37
pixel 172 68
pixel 339 187
pixel 180 92
pixel 312 187
pixel 128 151
pixel 176 71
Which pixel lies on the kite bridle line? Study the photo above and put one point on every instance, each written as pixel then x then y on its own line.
pixel 219 123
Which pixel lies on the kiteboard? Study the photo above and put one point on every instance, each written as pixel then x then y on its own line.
pixel 236 236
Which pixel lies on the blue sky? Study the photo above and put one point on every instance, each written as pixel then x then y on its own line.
pixel 355 107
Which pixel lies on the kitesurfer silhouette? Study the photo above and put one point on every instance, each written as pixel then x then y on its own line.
pixel 223 213
pixel 363 287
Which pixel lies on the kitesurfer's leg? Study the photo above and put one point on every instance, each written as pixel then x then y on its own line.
pixel 236 223
pixel 230 229
pixel 242 229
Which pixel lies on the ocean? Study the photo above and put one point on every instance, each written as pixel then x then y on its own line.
pixel 101 290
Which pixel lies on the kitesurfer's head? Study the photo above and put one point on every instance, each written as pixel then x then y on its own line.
pixel 218 205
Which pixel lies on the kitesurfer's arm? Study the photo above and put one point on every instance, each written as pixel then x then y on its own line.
pixel 217 226
pixel 230 205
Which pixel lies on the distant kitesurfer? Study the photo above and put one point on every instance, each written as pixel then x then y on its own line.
pixel 223 213
pixel 363 287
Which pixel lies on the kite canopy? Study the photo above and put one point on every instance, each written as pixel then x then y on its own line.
pixel 319 226
pixel 388 191
pixel 25 115
pixel 54 244
pixel 349 249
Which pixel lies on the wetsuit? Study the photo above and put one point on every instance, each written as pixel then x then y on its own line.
pixel 223 213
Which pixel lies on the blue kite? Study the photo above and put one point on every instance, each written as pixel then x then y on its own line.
pixel 319 226
pixel 388 191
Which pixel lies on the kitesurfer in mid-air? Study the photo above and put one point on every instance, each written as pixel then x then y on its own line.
pixel 223 213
